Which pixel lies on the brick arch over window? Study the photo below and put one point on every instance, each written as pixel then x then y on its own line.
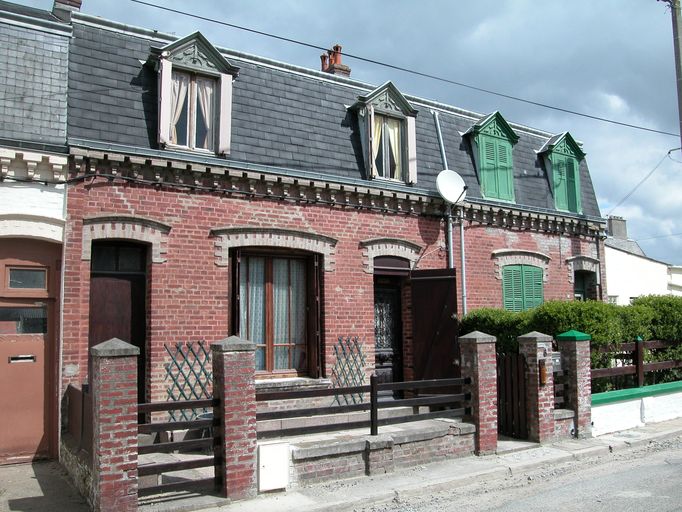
pixel 229 238
pixel 126 227
pixel 388 247
pixel 581 263
pixel 504 257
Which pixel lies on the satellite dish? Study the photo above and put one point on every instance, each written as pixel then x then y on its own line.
pixel 451 186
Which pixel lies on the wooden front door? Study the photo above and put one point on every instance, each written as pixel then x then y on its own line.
pixel 117 300
pixel 29 288
pixel 434 324
pixel 388 333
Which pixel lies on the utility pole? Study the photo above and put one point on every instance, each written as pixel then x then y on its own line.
pixel 677 30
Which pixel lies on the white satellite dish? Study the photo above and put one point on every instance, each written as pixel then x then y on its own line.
pixel 451 186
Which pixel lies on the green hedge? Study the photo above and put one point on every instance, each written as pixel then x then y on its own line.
pixel 651 317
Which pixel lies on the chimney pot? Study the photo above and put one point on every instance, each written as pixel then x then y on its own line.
pixel 331 63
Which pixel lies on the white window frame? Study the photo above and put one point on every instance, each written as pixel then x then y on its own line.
pixel 192 112
pixel 222 108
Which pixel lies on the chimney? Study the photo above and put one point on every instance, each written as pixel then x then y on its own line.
pixel 617 228
pixel 331 62
pixel 62 9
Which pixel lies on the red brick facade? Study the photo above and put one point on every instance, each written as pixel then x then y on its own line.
pixel 189 277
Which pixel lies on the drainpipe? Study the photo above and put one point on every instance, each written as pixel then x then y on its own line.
pixel 448 220
pixel 448 212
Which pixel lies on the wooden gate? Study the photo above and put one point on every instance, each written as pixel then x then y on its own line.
pixel 511 396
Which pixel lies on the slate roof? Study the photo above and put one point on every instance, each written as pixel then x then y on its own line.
pixel 282 116
pixel 629 246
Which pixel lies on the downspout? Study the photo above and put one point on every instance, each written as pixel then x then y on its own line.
pixel 448 220
pixel 448 211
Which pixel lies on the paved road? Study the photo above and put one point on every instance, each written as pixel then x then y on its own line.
pixel 643 480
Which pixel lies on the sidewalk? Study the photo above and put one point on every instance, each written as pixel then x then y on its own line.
pixel 364 491
pixel 44 487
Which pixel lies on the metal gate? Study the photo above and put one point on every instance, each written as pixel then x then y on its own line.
pixel 511 396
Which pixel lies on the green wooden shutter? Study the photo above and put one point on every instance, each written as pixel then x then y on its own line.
pixel 505 171
pixel 512 287
pixel 560 182
pixel 488 167
pixel 572 185
pixel 532 286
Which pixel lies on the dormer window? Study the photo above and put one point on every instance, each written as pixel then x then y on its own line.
pixel 387 131
pixel 193 119
pixel 493 139
pixel 195 96
pixel 562 156
pixel 388 147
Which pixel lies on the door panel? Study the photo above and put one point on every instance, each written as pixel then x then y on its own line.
pixel 117 310
pixel 434 323
pixel 24 378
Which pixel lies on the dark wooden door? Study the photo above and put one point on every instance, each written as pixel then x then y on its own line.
pixel 117 310
pixel 434 323
pixel 388 333
pixel 511 396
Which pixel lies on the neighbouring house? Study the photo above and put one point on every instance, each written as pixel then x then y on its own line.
pixel 212 192
pixel 629 271
pixel 33 172
pixel 675 279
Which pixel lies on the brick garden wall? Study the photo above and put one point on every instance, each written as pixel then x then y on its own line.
pixel 189 292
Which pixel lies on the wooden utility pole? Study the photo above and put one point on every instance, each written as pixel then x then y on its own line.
pixel 677 30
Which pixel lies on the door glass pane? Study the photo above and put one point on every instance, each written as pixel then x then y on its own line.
pixel 23 320
pixel 280 301
pixel 103 258
pixel 27 278
pixel 281 358
pixel 131 259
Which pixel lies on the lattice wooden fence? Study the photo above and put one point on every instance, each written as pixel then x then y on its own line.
pixel 349 369
pixel 189 375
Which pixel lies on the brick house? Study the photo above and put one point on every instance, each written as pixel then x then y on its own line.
pixel 212 192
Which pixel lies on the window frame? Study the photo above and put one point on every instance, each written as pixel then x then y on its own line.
pixel 192 111
pixel 385 149
pixel 522 294
pixel 312 319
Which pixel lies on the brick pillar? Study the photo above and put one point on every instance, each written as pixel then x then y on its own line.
pixel 478 362
pixel 537 349
pixel 575 353
pixel 114 417
pixel 234 370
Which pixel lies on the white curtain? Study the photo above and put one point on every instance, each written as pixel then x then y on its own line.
pixel 376 141
pixel 252 305
pixel 205 93
pixel 280 306
pixel 180 87
pixel 393 128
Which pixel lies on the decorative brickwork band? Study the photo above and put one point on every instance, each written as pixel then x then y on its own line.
pixel 478 362
pixel 114 401
pixel 537 349
pixel 126 227
pixel 234 385
pixel 228 238
pixel 504 257
pixel 575 353
pixel 388 247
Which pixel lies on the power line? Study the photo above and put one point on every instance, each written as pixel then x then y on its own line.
pixel 408 70
pixel 658 236
pixel 639 183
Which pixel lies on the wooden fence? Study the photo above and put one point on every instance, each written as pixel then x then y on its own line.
pixel 629 359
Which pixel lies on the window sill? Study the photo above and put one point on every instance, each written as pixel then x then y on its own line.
pixel 194 151
pixel 291 384
pixel 390 180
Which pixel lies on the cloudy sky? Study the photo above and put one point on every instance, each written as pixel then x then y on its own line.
pixel 607 58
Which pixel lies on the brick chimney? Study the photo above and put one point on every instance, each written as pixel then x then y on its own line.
pixel 331 62
pixel 62 9
pixel 617 228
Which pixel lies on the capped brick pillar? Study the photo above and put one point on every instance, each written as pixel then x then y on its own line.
pixel 234 384
pixel 537 349
pixel 575 352
pixel 478 361
pixel 114 417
